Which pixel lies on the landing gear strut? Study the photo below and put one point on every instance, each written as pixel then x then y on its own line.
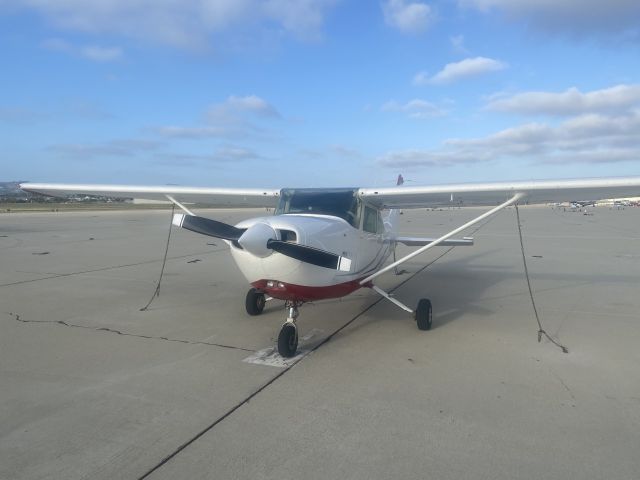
pixel 423 313
pixel 288 337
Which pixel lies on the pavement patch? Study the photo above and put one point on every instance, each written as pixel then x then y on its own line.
pixel 271 358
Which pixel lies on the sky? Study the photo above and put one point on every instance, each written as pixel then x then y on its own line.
pixel 313 93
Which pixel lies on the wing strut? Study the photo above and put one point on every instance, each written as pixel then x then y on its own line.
pixel 175 202
pixel 391 299
pixel 438 241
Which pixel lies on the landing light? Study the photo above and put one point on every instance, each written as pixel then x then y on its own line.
pixel 274 284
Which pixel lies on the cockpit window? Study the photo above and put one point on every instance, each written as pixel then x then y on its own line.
pixel 342 203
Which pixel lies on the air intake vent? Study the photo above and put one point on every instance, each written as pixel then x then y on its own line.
pixel 288 236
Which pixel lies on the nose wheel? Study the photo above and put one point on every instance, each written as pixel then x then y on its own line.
pixel 288 337
pixel 288 340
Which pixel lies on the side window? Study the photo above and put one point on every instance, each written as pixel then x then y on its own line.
pixel 370 221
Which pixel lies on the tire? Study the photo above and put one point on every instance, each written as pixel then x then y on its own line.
pixel 254 302
pixel 424 314
pixel 288 341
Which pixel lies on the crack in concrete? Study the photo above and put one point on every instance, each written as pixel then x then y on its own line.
pixel 563 384
pixel 125 334
pixel 103 269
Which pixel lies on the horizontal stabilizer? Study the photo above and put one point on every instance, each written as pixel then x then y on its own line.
pixel 421 241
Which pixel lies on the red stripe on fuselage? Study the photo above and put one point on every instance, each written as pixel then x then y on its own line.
pixel 302 293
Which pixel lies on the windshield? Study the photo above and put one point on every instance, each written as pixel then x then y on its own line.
pixel 342 203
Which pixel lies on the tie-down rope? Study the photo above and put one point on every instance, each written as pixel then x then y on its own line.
pixel 156 293
pixel 541 330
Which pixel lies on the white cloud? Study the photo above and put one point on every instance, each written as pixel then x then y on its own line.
pixel 113 148
pixel 583 133
pixel 304 18
pixel 452 72
pixel 330 152
pixel 592 138
pixel 249 103
pixel 619 98
pixel 149 149
pixel 181 23
pixel 416 108
pixel 236 117
pixel 573 17
pixel 612 155
pixel 426 158
pixel 237 114
pixel 408 17
pixel 221 155
pixel 194 133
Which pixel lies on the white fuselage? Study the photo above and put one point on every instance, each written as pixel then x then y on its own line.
pixel 367 252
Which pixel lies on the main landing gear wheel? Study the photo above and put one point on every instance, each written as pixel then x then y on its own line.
pixel 255 302
pixel 424 315
pixel 288 340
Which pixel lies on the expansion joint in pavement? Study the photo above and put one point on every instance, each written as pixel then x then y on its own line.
pixel 18 318
pixel 104 269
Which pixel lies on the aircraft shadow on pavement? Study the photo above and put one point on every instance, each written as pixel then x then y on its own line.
pixel 457 287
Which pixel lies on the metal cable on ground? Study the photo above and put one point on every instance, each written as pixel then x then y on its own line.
pixel 156 293
pixel 533 302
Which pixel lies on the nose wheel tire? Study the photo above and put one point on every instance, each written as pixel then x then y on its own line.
pixel 288 340
pixel 255 302
pixel 424 314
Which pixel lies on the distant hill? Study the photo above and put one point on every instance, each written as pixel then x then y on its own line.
pixel 12 190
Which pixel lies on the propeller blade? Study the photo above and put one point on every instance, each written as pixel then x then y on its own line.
pixel 206 226
pixel 257 239
pixel 311 255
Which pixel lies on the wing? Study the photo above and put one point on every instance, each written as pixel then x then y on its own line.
pixel 218 197
pixel 542 191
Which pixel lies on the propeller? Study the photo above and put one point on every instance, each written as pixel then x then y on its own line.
pixel 261 240
pixel 209 227
pixel 306 254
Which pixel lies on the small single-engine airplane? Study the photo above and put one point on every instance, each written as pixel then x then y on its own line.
pixel 327 243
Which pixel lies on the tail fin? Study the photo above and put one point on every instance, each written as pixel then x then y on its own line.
pixel 392 216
